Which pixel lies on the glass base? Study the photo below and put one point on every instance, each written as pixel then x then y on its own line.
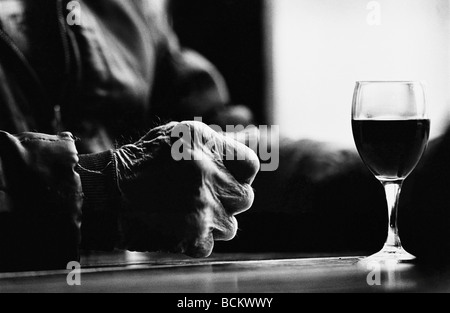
pixel 391 254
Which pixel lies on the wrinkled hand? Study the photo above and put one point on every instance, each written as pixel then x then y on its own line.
pixel 183 206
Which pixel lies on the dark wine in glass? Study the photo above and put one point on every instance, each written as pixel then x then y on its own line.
pixel 391 149
pixel 391 131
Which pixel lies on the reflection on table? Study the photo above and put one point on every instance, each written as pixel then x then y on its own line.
pixel 233 273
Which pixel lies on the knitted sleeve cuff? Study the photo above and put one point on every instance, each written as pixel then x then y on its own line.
pixel 101 201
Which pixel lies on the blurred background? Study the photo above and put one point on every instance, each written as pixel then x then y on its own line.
pixel 295 62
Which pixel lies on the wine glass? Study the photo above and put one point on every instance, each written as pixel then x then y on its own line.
pixel 391 131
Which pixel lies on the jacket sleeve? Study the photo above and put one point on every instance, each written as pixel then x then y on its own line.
pixel 40 201
pixel 186 84
pixel 102 201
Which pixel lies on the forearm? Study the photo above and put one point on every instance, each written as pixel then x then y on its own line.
pixel 108 181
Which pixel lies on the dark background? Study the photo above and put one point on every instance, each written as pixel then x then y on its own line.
pixel 230 34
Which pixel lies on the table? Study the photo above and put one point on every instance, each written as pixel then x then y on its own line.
pixel 232 273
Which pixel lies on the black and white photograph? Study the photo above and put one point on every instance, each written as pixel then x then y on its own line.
pixel 224 154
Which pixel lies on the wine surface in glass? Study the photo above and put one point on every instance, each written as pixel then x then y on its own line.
pixel 391 149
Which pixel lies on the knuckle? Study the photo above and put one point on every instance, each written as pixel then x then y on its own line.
pixel 225 229
pixel 246 200
pixel 245 166
pixel 198 239
pixel 238 199
pixel 199 247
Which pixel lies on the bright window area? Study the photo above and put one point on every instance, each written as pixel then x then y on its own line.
pixel 321 47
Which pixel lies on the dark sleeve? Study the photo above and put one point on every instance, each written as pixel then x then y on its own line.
pixel 101 201
pixel 186 84
pixel 40 202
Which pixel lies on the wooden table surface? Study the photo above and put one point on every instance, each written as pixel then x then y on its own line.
pixel 151 273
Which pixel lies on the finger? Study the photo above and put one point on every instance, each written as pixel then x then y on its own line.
pixel 236 198
pixel 225 229
pixel 197 239
pixel 240 161
pixel 164 130
pixel 250 137
pixel 201 247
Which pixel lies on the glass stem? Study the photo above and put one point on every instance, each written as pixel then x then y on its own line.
pixel 393 189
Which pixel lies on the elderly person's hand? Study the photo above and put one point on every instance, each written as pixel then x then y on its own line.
pixel 183 184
